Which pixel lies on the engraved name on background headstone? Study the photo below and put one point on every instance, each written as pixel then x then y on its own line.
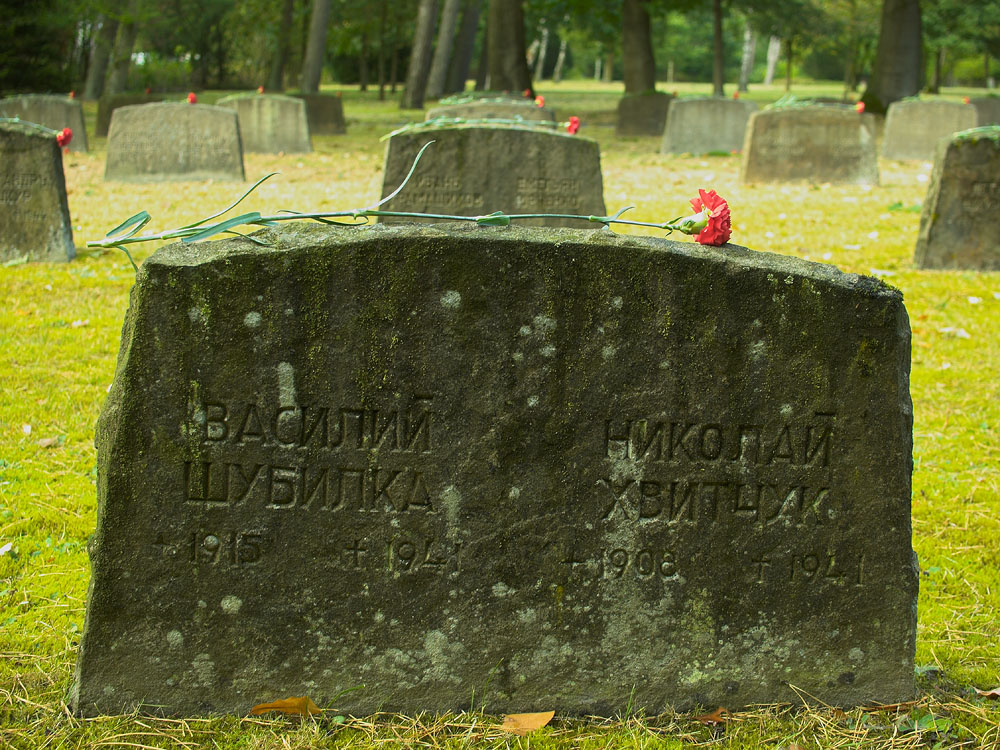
pixel 643 114
pixel 271 124
pixel 34 212
pixel 958 226
pixel 174 141
pixel 325 114
pixel 696 126
pixel 913 128
pixel 108 103
pixel 555 467
pixel 815 144
pixel 481 168
pixel 54 112
pixel 493 108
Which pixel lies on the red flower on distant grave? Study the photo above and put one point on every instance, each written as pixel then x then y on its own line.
pixel 260 89
pixel 574 125
pixel 148 91
pixel 860 106
pixel 64 137
pixel 72 95
pixel 736 95
pixel 966 100
pixel 711 221
pixel 192 99
pixel 539 101
pixel 527 93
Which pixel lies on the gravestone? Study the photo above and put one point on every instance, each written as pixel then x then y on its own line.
pixel 109 103
pixel 643 114
pixel 987 110
pixel 815 144
pixel 53 112
pixel 913 128
pixel 325 114
pixel 174 141
pixel 958 226
pixel 388 466
pixel 696 126
pixel 34 212
pixel 477 169
pixel 495 108
pixel 271 124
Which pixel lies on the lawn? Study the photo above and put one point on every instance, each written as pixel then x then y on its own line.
pixel 59 335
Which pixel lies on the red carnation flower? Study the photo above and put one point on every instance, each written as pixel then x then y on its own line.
pixel 192 99
pixel 72 95
pixel 718 228
pixel 574 125
pixel 736 95
pixel 260 89
pixel 64 137
pixel 527 93
pixel 539 101
pixel 965 100
pixel 860 106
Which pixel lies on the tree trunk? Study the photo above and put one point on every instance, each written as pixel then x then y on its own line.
pixel 383 14
pixel 508 65
pixel 896 73
pixel 532 53
pixel 394 68
pixel 773 54
pixel 986 69
pixel 560 60
pixel 598 68
pixel 420 56
pixel 747 58
pixel 100 54
pixel 465 45
pixel 276 78
pixel 438 76
pixel 637 49
pixel 608 71
pixel 312 66
pixel 670 71
pixel 543 46
pixel 363 62
pixel 788 64
pixel 935 87
pixel 718 62
pixel 128 30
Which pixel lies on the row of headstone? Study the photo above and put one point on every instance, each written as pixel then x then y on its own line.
pixel 492 108
pixel 51 111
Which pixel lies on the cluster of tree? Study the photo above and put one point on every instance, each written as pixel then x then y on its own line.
pixel 438 44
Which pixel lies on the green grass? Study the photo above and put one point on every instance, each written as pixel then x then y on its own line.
pixel 59 335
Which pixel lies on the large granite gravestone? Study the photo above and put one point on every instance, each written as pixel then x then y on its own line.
pixel 53 112
pixel 913 128
pixel 325 114
pixel 106 105
pixel 958 226
pixel 174 141
pixel 390 466
pixel 494 108
pixel 480 168
pixel 814 144
pixel 696 126
pixel 643 114
pixel 271 124
pixel 34 212
pixel 987 110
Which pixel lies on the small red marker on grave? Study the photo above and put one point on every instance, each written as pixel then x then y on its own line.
pixel 260 89
pixel 192 99
pixel 148 91
pixel 539 101
pixel 860 106
pixel 64 137
pixel 574 125
pixel 965 100
pixel 527 93
pixel 736 95
pixel 72 95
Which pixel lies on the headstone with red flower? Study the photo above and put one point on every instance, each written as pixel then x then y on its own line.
pixel 492 108
pixel 53 112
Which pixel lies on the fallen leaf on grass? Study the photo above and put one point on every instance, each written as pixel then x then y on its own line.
pixel 716 717
pixel 523 723
pixel 292 706
pixel 994 693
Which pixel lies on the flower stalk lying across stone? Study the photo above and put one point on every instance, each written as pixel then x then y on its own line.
pixel 710 223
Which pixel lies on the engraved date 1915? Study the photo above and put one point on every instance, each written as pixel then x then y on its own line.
pixel 215 547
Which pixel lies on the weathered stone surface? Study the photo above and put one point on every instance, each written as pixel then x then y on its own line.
pixel 34 213
pixel 987 110
pixel 643 114
pixel 500 108
pixel 815 144
pixel 560 468
pixel 913 128
pixel 696 126
pixel 174 141
pixel 325 114
pixel 958 226
pixel 271 124
pixel 108 104
pixel 481 168
pixel 55 112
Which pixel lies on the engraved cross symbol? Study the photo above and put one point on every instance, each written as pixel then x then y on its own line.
pixel 356 551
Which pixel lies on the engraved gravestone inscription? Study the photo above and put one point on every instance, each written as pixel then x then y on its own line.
pixel 477 169
pixel 53 112
pixel 584 470
pixel 34 212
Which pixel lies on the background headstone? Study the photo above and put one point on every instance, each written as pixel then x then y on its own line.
pixel 958 226
pixel 271 124
pixel 589 471
pixel 987 110
pixel 814 144
pixel 108 104
pixel 325 114
pixel 499 108
pixel 481 168
pixel 696 126
pixel 174 141
pixel 34 212
pixel 643 114
pixel 54 112
pixel 913 128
